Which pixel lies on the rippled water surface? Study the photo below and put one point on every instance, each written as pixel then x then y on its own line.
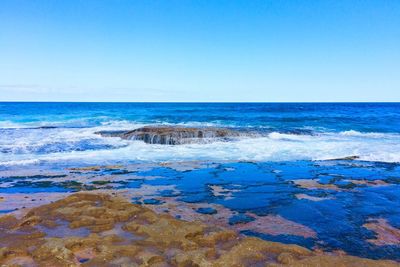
pixel 291 184
pixel 41 132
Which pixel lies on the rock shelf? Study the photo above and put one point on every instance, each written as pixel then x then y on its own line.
pixel 101 230
pixel 174 135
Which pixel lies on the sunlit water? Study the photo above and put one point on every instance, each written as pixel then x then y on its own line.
pixel 257 175
pixel 41 132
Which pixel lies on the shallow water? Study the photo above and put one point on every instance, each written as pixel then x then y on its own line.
pixel 331 212
pixel 282 186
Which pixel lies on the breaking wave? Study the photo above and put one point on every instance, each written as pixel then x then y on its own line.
pixel 28 145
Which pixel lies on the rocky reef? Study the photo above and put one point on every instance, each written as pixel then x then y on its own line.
pixel 102 230
pixel 176 135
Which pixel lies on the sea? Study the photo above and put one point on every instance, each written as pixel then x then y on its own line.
pixel 324 176
pixel 45 132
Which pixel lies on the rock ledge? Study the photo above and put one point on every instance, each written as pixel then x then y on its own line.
pixel 176 135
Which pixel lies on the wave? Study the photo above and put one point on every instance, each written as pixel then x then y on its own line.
pixel 82 145
pixel 355 133
pixel 54 147
pixel 11 125
pixel 287 136
pixel 103 123
pixel 41 141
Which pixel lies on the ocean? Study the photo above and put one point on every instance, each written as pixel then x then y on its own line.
pixel 45 132
pixel 324 176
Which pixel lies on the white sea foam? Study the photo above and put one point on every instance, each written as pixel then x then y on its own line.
pixel 370 134
pixel 119 125
pixel 11 125
pixel 288 137
pixel 103 123
pixel 22 146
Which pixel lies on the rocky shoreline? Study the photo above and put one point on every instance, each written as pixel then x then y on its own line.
pixel 222 196
pixel 102 230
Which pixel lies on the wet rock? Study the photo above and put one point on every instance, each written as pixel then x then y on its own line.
pixel 275 225
pixel 124 234
pixel 346 185
pixel 101 182
pixel 369 183
pixel 170 135
pixel 386 234
pixel 220 191
pixel 46 127
pixel 240 218
pixel 96 168
pixel 152 201
pixel 347 158
pixel 285 258
pixel 315 184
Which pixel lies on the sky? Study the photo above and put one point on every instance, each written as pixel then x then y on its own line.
pixel 200 50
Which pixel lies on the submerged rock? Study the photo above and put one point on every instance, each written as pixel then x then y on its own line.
pixel 174 135
pixel 152 201
pixel 208 211
pixel 240 218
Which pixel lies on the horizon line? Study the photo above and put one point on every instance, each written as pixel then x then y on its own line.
pixel 205 102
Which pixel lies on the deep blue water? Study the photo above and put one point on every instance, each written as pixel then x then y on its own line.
pixel 294 131
pixel 363 117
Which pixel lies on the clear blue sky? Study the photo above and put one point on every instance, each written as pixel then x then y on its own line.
pixel 215 50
